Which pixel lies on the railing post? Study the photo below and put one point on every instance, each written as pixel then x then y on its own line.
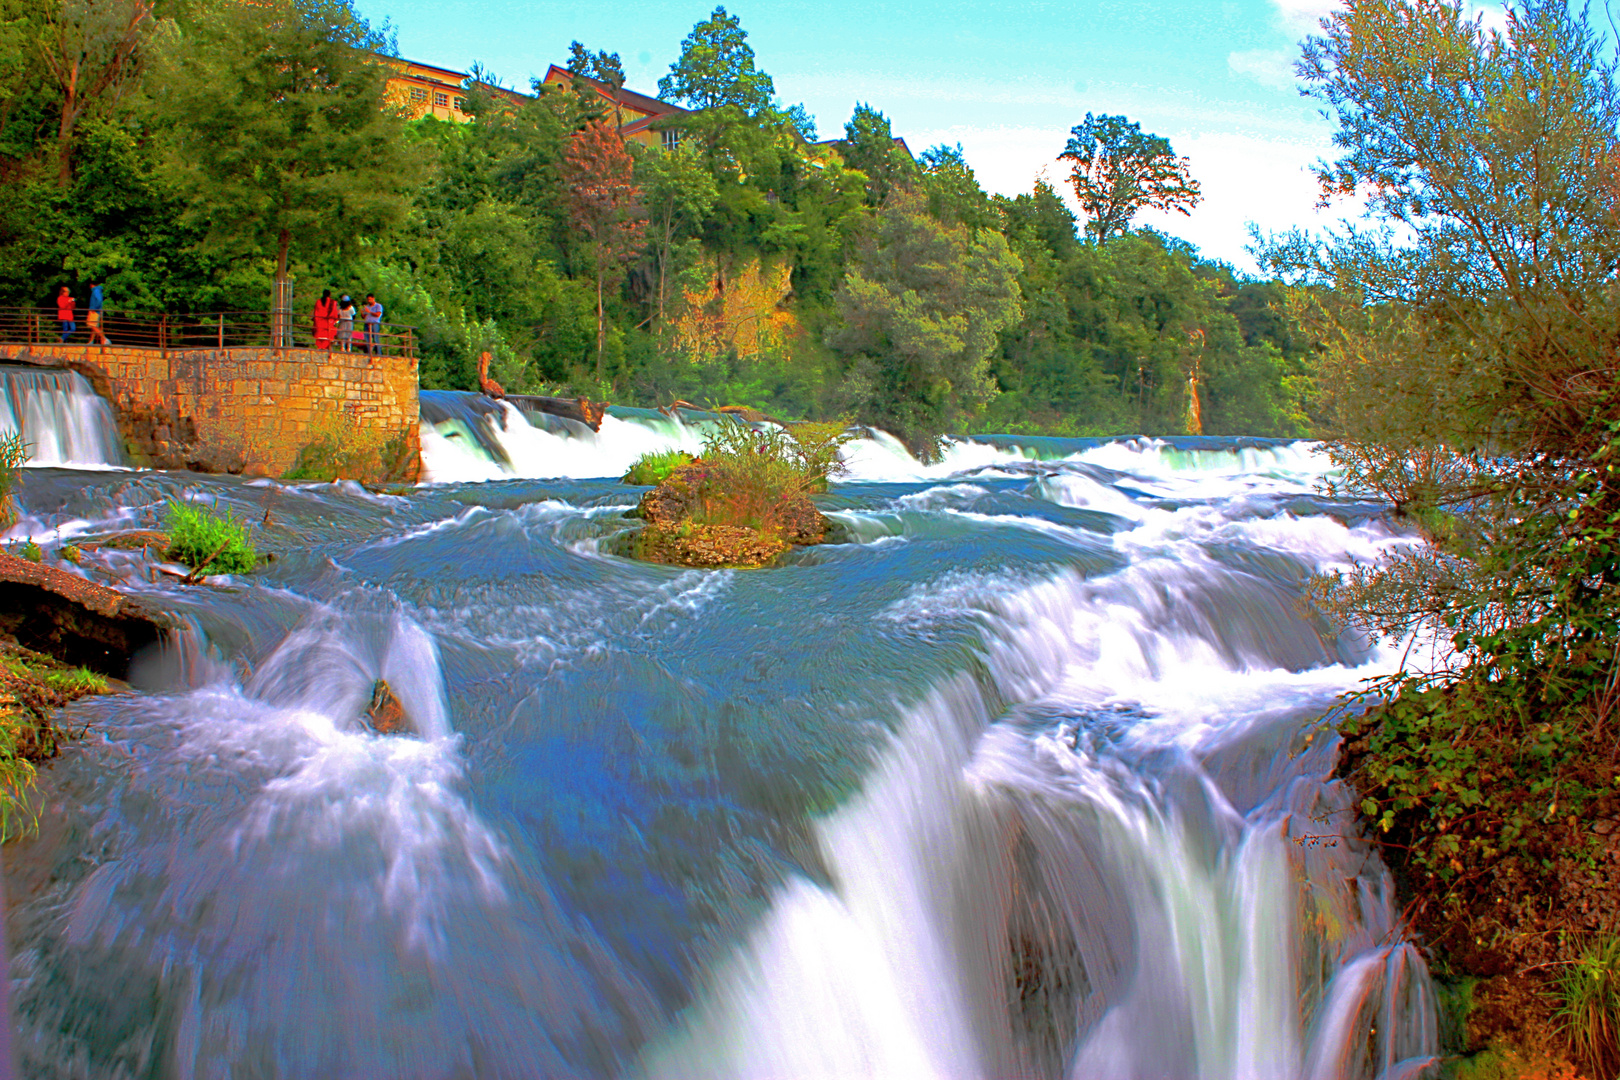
pixel 163 334
pixel 222 331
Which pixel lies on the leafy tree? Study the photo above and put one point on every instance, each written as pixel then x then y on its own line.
pixel 716 68
pixel 920 310
pixel 602 66
pixel 1468 373
pixel 276 128
pixel 954 194
pixel 1117 170
pixel 679 191
pixel 868 145
pixel 91 49
pixel 605 205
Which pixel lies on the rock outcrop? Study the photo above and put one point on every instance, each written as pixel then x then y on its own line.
pixel 76 621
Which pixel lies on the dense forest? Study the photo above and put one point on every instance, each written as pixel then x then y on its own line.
pixel 187 155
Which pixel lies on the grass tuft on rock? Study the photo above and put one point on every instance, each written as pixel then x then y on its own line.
pixel 32 688
pixel 207 542
pixel 654 467
pixel 13 454
pixel 745 501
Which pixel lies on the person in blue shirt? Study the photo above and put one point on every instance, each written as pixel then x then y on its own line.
pixel 92 317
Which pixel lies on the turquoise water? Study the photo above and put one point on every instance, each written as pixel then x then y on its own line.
pixel 1016 784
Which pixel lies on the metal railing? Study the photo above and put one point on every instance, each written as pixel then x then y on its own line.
pixel 206 330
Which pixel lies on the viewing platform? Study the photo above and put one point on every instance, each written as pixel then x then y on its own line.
pixel 234 392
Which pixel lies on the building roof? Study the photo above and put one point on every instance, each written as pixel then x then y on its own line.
pixel 629 99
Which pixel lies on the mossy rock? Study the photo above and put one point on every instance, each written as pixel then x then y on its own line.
pixel 706 546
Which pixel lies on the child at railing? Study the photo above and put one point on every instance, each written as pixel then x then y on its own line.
pixel 345 324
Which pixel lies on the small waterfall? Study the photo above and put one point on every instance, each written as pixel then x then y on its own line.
pixel 63 421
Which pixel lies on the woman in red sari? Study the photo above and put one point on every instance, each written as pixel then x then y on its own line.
pixel 326 313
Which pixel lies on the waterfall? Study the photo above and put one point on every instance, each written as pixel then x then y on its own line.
pixel 63 421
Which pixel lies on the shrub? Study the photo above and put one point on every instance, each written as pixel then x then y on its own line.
pixel 72 553
pixel 13 452
pixel 205 541
pixel 754 471
pixel 655 466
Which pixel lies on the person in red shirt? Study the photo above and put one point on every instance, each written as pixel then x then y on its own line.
pixel 64 313
pixel 326 317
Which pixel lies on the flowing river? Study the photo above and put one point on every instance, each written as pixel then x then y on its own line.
pixel 1028 780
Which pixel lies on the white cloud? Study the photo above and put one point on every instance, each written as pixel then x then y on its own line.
pixel 1301 17
pixel 1269 67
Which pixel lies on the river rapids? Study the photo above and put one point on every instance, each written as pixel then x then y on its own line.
pixel 1028 779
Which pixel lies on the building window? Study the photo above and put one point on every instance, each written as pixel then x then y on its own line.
pixel 460 104
pixel 418 95
pixel 671 138
pixel 441 100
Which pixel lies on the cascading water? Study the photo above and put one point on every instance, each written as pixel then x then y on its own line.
pixel 60 417
pixel 1027 780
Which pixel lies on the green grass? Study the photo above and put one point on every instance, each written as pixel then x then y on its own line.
pixel 654 467
pixel 77 682
pixel 207 542
pixel 13 452
pixel 31 551
pixel 1589 1005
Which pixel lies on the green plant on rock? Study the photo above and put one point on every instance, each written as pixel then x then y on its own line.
pixel 655 466
pixel 13 453
pixel 31 551
pixel 208 542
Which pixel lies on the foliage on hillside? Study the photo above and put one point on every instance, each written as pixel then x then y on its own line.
pixel 1467 369
pixel 750 264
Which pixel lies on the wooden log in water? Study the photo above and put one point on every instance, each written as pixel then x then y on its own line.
pixel 582 410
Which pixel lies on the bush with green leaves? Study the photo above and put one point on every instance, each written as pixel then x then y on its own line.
pixel 654 466
pixel 207 542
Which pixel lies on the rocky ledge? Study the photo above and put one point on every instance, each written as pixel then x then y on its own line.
pixel 80 623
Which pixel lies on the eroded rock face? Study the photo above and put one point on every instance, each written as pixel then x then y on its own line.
pixel 76 621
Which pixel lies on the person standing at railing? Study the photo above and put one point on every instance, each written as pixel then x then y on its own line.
pixel 374 313
pixel 345 323
pixel 92 316
pixel 64 313
pixel 326 317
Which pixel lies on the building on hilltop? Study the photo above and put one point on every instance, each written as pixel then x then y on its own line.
pixel 424 90
pixel 639 113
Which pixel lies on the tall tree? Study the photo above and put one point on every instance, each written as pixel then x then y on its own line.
pixel 920 309
pixel 605 205
pixel 680 190
pixel 1117 170
pixel 604 67
pixel 91 49
pixel 277 128
pixel 716 68
pixel 868 145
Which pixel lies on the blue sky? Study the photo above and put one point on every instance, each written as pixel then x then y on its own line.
pixel 1005 80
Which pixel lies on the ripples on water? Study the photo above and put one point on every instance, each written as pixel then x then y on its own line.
pixel 1018 784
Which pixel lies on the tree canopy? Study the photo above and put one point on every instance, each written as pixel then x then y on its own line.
pixel 716 67
pixel 1116 170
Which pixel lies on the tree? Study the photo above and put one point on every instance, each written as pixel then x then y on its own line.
pixel 920 309
pixel 277 129
pixel 91 48
pixel 716 68
pixel 1468 374
pixel 679 192
pixel 605 205
pixel 1117 171
pixel 604 67
pixel 869 145
pixel 954 194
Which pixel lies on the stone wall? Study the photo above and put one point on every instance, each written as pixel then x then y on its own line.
pixel 250 410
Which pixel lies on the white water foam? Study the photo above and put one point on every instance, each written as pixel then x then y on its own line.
pixel 1087 898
